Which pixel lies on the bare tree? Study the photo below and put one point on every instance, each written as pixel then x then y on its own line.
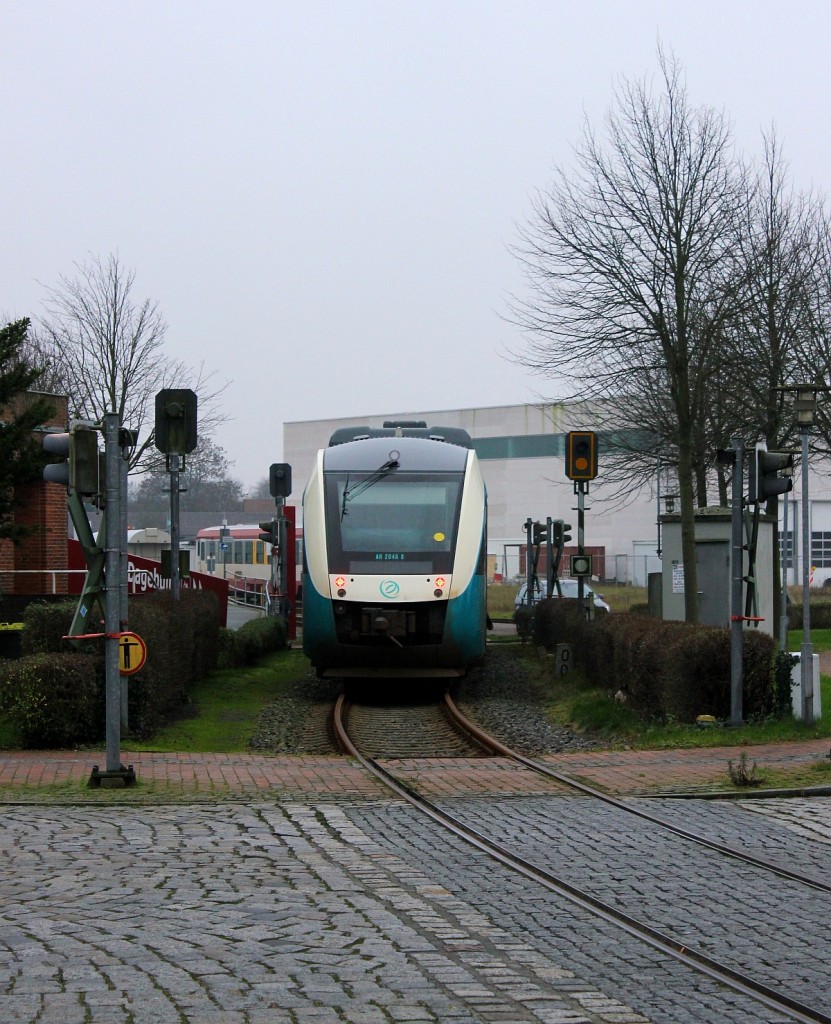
pixel 104 351
pixel 210 494
pixel 815 355
pixel 628 260
pixel 261 489
pixel 774 332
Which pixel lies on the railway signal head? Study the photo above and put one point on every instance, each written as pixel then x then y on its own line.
pixel 176 421
pixel 771 473
pixel 279 479
pixel 540 532
pixel 269 531
pixel 79 470
pixel 581 455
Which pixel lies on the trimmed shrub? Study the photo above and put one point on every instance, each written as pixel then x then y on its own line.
pixel 251 641
pixel 820 614
pixel 182 639
pixel 783 684
pixel 556 621
pixel 45 625
pixel 665 669
pixel 54 700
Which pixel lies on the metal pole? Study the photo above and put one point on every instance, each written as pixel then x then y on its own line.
pixel 122 571
pixel 737 579
pixel 112 457
pixel 529 569
pixel 807 651
pixel 174 526
pixel 281 563
pixel 657 515
pixel 581 496
pixel 786 550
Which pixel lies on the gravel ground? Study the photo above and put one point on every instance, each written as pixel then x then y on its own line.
pixel 506 696
pixel 503 696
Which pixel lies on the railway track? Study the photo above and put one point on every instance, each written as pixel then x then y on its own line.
pixel 766 992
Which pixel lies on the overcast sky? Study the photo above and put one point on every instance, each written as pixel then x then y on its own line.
pixel 321 196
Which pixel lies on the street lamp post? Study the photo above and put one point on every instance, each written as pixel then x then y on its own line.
pixel 806 407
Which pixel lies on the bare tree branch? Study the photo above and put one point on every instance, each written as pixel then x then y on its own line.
pixel 105 352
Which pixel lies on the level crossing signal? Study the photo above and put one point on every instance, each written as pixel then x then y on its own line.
pixel 771 473
pixel 79 470
pixel 581 455
pixel 269 531
pixel 560 533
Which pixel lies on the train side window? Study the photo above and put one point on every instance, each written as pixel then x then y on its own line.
pixel 249 552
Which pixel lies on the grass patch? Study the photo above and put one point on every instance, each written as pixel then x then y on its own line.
pixel 820 640
pixel 226 705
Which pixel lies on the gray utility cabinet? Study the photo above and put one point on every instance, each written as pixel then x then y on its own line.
pixel 714 558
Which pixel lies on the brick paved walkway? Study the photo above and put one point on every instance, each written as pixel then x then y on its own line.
pixel 44 774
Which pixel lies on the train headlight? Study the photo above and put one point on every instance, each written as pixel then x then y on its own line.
pixel 440 583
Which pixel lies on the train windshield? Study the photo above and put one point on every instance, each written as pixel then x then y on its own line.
pixel 403 522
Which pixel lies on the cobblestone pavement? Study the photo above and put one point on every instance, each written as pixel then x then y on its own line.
pixel 358 911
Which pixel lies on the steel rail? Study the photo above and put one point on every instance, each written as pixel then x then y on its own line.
pixel 690 957
pixel 492 744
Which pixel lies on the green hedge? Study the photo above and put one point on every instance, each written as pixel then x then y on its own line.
pixel 54 700
pixel 820 614
pixel 243 646
pixel 54 695
pixel 665 669
pixel 182 641
pixel 44 625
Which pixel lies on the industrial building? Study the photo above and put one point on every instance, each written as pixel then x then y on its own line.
pixel 522 450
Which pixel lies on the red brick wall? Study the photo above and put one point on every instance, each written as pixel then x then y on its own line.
pixel 44 508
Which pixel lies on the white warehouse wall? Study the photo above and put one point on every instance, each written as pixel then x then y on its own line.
pixel 519 488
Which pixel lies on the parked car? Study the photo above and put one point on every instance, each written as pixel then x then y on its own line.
pixel 568 589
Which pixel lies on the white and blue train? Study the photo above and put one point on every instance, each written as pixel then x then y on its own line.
pixel 394 553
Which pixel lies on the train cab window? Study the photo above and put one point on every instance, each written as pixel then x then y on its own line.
pixel 403 521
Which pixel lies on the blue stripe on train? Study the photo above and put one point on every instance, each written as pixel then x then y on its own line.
pixel 464 626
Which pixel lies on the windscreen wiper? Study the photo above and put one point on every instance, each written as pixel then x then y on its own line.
pixel 352 492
